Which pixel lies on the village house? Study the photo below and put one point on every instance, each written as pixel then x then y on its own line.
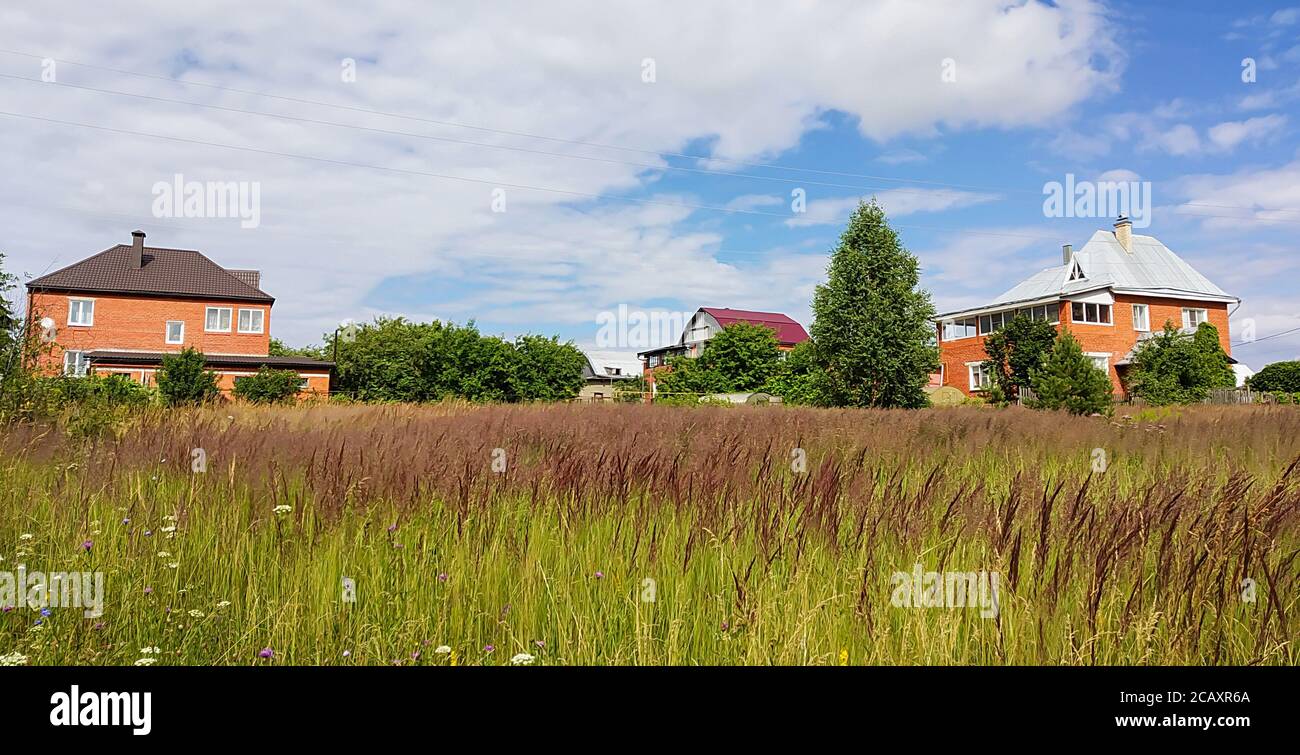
pixel 603 373
pixel 1117 290
pixel 708 322
pixel 120 311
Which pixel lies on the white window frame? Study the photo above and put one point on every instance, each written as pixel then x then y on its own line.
pixel 79 360
pixel 167 332
pixel 970 325
pixel 1104 356
pixel 987 380
pixel 261 320
pixel 230 316
pixel 81 310
pixel 1146 317
pixel 1085 306
pixel 1187 317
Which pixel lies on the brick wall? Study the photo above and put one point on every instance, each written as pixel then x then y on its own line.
pixel 1116 339
pixel 125 323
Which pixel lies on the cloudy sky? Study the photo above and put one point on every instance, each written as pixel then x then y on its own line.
pixel 531 165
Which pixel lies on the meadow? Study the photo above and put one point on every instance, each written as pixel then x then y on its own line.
pixel 646 535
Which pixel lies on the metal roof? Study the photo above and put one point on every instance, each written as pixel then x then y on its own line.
pixel 1150 267
pixel 163 272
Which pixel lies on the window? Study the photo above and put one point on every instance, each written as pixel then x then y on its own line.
pixel 75 363
pixel 979 377
pixel 1100 361
pixel 954 329
pixel 217 320
pixel 1194 317
pixel 175 331
pixel 1076 272
pixel 1044 312
pixel 700 333
pixel 990 323
pixel 305 384
pixel 250 321
pixel 81 312
pixel 1097 314
pixel 1141 317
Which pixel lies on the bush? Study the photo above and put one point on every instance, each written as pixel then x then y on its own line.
pixel 1279 376
pixel 268 386
pixel 1175 368
pixel 1069 380
pixel 1015 350
pixel 184 379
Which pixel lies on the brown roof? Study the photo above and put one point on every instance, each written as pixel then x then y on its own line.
pixel 104 356
pixel 165 272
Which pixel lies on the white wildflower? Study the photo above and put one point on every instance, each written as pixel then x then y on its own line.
pixel 282 509
pixel 146 661
pixel 522 659
pixel 442 650
pixel 25 536
pixel 13 659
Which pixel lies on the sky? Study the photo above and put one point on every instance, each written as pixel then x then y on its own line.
pixel 536 167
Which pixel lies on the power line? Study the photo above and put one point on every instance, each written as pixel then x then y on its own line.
pixel 577 142
pixel 1265 338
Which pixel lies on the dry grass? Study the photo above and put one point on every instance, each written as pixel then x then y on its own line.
pixel 751 561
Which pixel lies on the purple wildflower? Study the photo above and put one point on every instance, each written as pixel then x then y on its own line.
pixel 442 577
pixel 489 648
pixel 88 544
pixel 265 653
pixel 600 575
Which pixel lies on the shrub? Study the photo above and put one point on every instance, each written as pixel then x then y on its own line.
pixel 1069 380
pixel 184 379
pixel 1173 367
pixel 1278 376
pixel 268 386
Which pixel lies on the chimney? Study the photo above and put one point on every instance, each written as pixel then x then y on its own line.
pixel 1124 233
pixel 137 249
pixel 1066 253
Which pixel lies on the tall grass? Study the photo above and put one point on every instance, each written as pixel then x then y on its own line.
pixel 632 534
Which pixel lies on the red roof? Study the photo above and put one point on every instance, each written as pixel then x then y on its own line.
pixel 788 332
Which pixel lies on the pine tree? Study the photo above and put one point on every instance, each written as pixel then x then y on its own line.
pixel 1069 380
pixel 872 325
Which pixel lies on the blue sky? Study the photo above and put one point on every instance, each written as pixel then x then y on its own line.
pixel 392 213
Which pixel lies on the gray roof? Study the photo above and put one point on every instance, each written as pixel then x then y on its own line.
pixel 1150 267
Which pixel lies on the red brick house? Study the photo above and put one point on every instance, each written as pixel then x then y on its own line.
pixel 708 322
pixel 1115 291
pixel 120 311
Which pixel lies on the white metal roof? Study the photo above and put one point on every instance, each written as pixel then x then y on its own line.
pixel 1150 268
pixel 604 362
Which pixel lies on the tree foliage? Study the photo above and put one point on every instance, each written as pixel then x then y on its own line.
pixel 1283 377
pixel 184 379
pixel 393 359
pixel 742 357
pixel 268 386
pixel 1069 380
pixel 872 324
pixel 1173 367
pixel 1014 351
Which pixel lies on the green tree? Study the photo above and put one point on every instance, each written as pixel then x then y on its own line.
pixel 385 360
pixel 548 370
pixel 183 379
pixel 1173 367
pixel 799 377
pixel 686 376
pixel 1014 351
pixel 1281 377
pixel 872 325
pixel 279 349
pixel 744 354
pixel 1069 380
pixel 268 386
pixel 10 325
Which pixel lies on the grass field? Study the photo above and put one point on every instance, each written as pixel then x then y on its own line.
pixel 649 535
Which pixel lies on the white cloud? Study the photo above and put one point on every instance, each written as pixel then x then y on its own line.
pixel 1226 136
pixel 897 203
pixel 331 233
pixel 1248 199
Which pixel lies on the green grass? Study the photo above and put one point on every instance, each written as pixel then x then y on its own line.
pixel 747 560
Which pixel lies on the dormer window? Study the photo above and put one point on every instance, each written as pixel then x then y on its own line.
pixel 1076 272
